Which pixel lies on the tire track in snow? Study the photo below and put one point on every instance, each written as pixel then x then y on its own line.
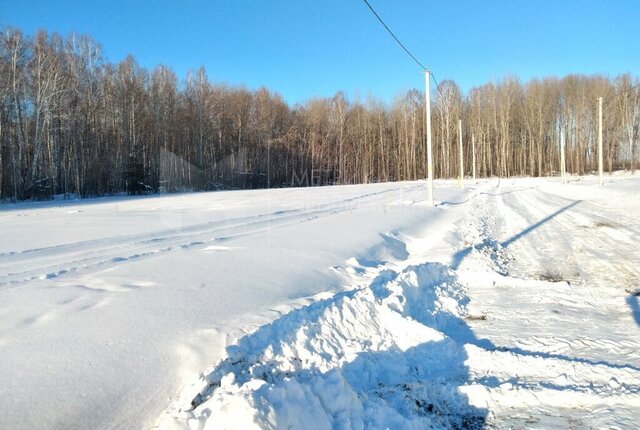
pixel 583 238
pixel 555 362
pixel 54 262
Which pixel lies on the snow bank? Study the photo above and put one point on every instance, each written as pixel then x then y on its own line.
pixel 373 357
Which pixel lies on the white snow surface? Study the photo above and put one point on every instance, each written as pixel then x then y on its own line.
pixel 511 304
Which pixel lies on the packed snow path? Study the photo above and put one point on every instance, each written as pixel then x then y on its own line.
pixel 563 351
pixel 507 305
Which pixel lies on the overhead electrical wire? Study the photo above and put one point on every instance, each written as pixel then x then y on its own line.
pixel 427 118
pixel 394 36
pixel 435 82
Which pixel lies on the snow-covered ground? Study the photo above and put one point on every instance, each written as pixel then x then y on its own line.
pixel 509 305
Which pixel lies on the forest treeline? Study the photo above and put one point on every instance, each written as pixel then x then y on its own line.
pixel 71 122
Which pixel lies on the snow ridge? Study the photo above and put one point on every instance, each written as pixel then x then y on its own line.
pixel 372 357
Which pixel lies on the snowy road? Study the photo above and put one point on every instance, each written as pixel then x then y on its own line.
pixel 568 348
pixel 504 306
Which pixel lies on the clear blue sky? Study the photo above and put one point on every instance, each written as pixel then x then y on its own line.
pixel 304 48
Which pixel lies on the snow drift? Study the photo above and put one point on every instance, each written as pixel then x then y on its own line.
pixel 373 357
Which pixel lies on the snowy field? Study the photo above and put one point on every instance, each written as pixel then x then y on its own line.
pixel 509 305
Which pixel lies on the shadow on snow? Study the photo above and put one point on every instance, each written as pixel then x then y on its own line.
pixel 634 304
pixel 459 256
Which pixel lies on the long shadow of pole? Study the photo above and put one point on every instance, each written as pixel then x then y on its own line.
pixel 463 253
pixel 529 229
pixel 632 301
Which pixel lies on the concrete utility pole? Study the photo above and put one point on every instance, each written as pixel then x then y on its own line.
pixel 563 163
pixel 600 163
pixel 427 114
pixel 473 154
pixel 461 155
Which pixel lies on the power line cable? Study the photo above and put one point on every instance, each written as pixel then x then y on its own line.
pixel 394 36
pixel 435 82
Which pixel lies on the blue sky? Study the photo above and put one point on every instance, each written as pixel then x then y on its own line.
pixel 304 48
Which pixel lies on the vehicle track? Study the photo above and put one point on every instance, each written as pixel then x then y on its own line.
pixel 605 240
pixel 30 265
pixel 559 316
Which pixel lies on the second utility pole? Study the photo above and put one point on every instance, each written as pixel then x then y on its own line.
pixel 473 154
pixel 427 114
pixel 600 162
pixel 461 154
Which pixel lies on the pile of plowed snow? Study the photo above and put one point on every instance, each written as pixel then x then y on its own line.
pixel 373 357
